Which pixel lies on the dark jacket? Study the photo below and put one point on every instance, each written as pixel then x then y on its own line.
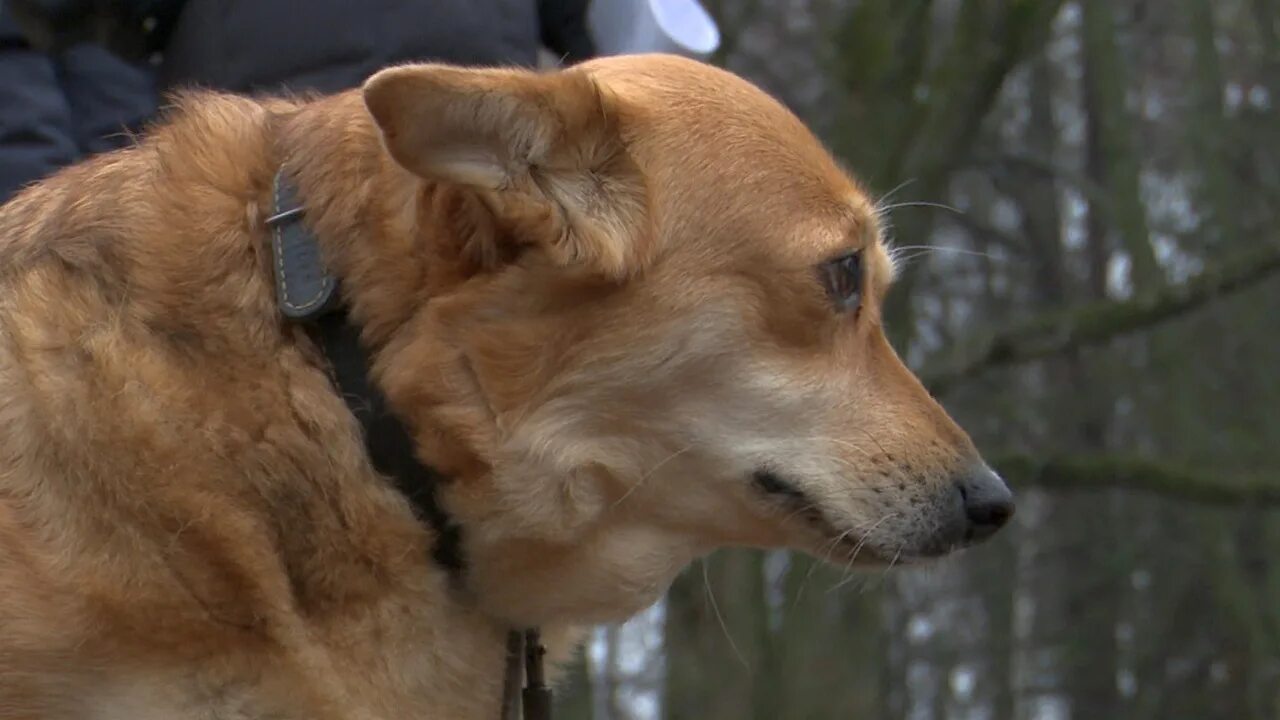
pixel 57 107
pixel 63 95
pixel 329 45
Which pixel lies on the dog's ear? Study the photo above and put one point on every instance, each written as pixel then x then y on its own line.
pixel 545 146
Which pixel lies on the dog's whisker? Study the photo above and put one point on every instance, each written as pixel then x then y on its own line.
pixel 903 260
pixel 858 549
pixel 715 608
pixel 873 439
pixel 894 561
pixel 880 204
pixel 848 491
pixel 947 248
pixel 884 573
pixel 799 511
pixel 844 443
pixel 859 473
pixel 650 473
pixel 826 557
pixel 847 463
pixel 921 203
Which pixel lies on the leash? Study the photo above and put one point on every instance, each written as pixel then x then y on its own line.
pixel 536 695
pixel 525 666
pixel 308 294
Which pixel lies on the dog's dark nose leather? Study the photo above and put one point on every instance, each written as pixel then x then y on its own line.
pixel 988 502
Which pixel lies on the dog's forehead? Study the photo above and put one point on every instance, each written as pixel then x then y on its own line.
pixel 839 217
pixel 719 147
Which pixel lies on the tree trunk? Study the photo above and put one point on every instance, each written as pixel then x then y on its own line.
pixel 1111 160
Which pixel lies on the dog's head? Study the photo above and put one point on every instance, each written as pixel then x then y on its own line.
pixel 668 340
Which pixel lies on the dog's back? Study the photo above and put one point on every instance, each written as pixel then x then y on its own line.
pixel 109 300
pixel 170 464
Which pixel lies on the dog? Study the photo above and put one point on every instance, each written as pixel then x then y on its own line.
pixel 628 311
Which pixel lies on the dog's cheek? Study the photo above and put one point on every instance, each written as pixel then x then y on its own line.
pixel 548 503
pixel 584 494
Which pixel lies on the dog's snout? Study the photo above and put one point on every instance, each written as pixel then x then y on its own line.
pixel 987 500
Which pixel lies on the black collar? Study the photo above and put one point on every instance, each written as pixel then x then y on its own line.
pixel 307 293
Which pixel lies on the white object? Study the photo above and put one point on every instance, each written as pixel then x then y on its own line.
pixel 628 27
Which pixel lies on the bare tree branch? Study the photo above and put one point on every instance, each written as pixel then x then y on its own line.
pixel 1138 474
pixel 1097 322
pixel 1013 160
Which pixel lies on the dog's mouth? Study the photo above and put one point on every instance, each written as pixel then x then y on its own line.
pixel 828 540
pixel 836 542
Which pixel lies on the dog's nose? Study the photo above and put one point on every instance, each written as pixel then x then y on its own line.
pixel 988 502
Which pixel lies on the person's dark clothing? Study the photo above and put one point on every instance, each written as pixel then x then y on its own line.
pixel 330 45
pixel 563 24
pixel 55 109
pixel 65 92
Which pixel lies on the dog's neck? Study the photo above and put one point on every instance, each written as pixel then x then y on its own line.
pixel 376 276
pixel 394 241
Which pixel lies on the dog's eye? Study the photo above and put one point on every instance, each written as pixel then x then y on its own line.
pixel 843 279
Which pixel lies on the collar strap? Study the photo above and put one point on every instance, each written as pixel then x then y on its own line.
pixel 306 292
pixel 524 658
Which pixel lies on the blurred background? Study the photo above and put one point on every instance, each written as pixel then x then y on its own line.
pixel 1089 191
pixel 1085 196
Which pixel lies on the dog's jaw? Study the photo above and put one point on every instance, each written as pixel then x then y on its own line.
pixel 604 577
pixel 566 543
